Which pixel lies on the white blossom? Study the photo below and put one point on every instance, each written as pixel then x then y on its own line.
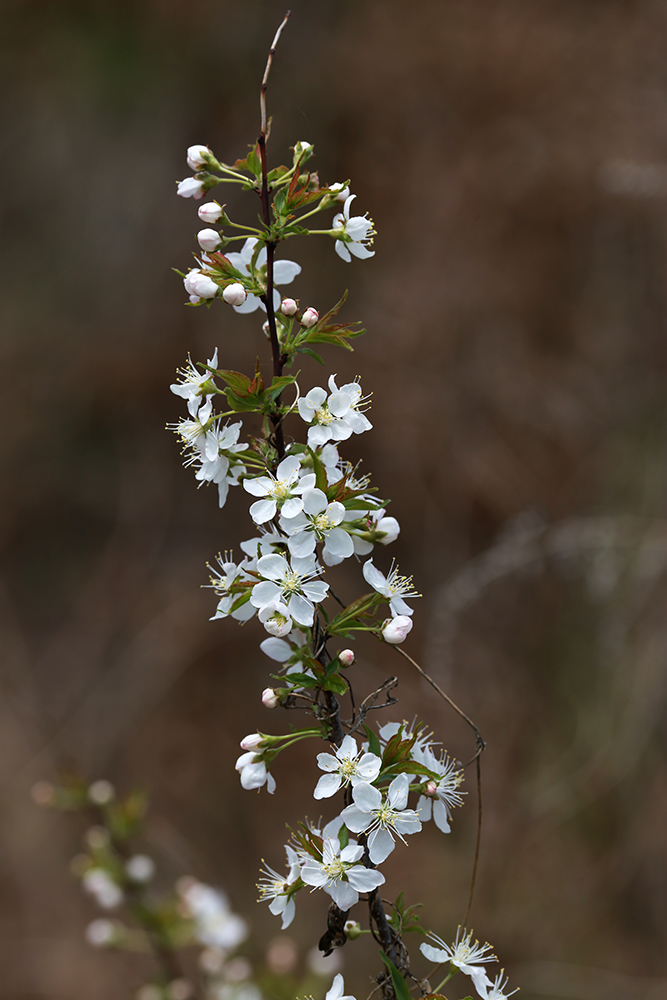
pixel 225 582
pixel 498 989
pixel 269 698
pixel 234 294
pixel 276 618
pixel 464 955
pixel 349 766
pixel 275 887
pixel 319 521
pixel 310 317
pixel 253 772
pixel 216 926
pixel 99 883
pixel 381 816
pixel 294 584
pixel 101 933
pixel 359 229
pixel 337 989
pixel 339 874
pixel 289 307
pixel 284 272
pixel 444 794
pixel 336 417
pixel 191 187
pixel 394 587
pixel 140 868
pixel 191 382
pixel 281 492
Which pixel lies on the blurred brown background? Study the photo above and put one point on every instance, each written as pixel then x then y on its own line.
pixel 513 154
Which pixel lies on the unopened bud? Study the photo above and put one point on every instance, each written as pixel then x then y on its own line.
pixel 289 307
pixel 342 193
pixel 194 299
pixel 196 156
pixel 310 317
pixel 352 929
pixel 346 657
pixel 430 788
pixel 199 284
pixel 266 329
pixel 190 188
pixel 252 741
pixel 391 527
pixel 208 239
pixel 101 792
pixel 234 294
pixel 396 629
pixel 270 698
pixel 209 212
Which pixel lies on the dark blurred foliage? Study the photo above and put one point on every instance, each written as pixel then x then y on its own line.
pixel 513 154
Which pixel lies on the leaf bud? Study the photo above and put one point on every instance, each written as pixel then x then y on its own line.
pixel 197 156
pixel 252 741
pixel 208 239
pixel 270 698
pixel 190 188
pixel 396 629
pixel 352 929
pixel 209 212
pixel 346 657
pixel 310 317
pixel 234 294
pixel 289 307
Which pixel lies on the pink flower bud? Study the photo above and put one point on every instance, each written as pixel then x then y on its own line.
pixel 310 317
pixel 234 294
pixel 190 188
pixel 251 742
pixel 208 239
pixel 346 657
pixel 195 156
pixel 270 698
pixel 289 307
pixel 209 212
pixel 396 629
pixel 430 788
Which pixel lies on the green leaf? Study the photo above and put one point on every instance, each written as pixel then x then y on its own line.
pixel 319 470
pixel 313 354
pixel 298 680
pixel 400 986
pixel 343 837
pixel 400 903
pixel 336 684
pixel 373 742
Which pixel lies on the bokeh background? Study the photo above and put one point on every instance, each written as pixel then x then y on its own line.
pixel 513 154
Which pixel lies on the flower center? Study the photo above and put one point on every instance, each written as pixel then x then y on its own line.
pixel 324 416
pixel 291 583
pixel 282 489
pixel 322 523
pixel 348 767
pixel 335 869
pixel 386 815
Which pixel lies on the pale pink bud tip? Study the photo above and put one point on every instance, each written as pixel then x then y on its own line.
pixel 289 307
pixel 395 630
pixel 208 239
pixel 234 294
pixel 251 742
pixel 431 788
pixel 346 657
pixel 196 155
pixel 270 698
pixel 310 317
pixel 210 212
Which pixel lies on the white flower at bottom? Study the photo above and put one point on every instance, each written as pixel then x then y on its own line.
pixel 336 991
pixel 339 874
pixel 464 955
pixel 215 924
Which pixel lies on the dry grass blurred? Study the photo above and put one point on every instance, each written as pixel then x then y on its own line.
pixel 513 155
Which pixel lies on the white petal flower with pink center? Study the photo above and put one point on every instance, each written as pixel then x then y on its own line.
pixel 353 233
pixel 469 958
pixel 319 522
pixel 284 272
pixel 336 417
pixel 381 817
pixel 281 492
pixel 339 874
pixel 294 584
pixel 348 765
pixel 394 587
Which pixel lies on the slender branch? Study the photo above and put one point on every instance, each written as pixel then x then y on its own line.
pixel 265 78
